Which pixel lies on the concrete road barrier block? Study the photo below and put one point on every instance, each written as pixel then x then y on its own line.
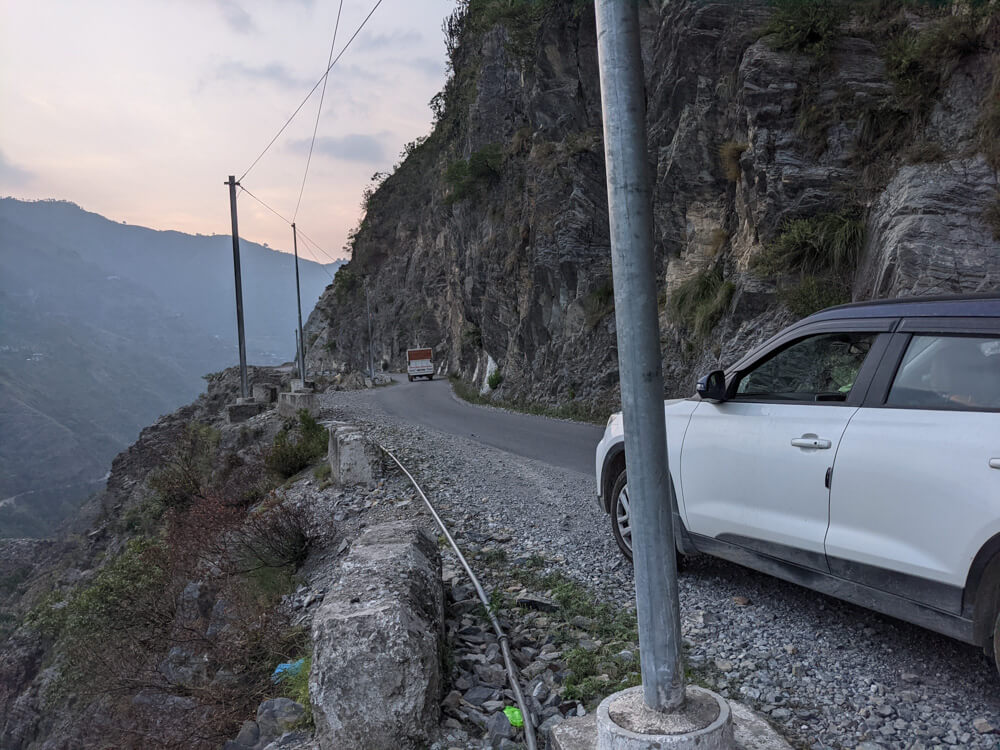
pixel 289 404
pixel 376 672
pixel 265 393
pixel 236 413
pixel 352 458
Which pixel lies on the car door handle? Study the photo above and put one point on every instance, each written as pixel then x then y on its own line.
pixel 811 441
pixel 995 463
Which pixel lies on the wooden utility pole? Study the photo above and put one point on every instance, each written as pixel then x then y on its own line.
pixel 239 287
pixel 298 298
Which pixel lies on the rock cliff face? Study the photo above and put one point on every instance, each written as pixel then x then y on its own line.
pixel 804 154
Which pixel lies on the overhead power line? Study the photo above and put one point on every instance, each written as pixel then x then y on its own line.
pixel 312 90
pixel 287 221
pixel 319 111
pixel 311 242
pixel 316 247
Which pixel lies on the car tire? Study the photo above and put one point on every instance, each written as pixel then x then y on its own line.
pixel 620 526
pixel 430 377
pixel 992 649
pixel 410 377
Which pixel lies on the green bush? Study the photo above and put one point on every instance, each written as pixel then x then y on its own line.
pixel 344 283
pixel 120 616
pixel 806 26
pixel 521 18
pixel 494 380
pixel 701 301
pixel 290 454
pixel 472 336
pixel 465 176
pixel 187 470
pixel 830 242
pixel 920 62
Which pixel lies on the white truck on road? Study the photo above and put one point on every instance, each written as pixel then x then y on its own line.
pixel 419 364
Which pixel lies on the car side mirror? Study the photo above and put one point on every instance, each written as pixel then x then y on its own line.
pixel 712 387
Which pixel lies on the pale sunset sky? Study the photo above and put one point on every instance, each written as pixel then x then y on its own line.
pixel 140 109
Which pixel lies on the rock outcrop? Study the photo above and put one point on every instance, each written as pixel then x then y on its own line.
pixel 376 670
pixel 490 241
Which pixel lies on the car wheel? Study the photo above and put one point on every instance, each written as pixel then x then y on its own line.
pixel 430 377
pixel 410 377
pixel 995 650
pixel 621 525
pixel 621 518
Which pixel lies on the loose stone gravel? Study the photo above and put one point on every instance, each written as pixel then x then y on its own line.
pixel 827 674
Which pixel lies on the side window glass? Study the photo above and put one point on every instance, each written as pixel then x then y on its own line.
pixel 817 368
pixel 948 372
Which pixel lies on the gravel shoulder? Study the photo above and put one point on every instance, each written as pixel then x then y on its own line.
pixel 827 674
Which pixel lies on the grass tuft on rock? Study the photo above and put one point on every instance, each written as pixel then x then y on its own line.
pixel 700 302
pixel 809 27
pixel 830 242
pixel 729 156
pixel 598 304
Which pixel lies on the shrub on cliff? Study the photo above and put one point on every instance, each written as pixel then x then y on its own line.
pixel 290 454
pixel 830 242
pixel 465 176
pixel 806 26
pixel 186 470
pixel 701 301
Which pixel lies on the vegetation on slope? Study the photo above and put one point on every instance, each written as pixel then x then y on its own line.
pixel 188 604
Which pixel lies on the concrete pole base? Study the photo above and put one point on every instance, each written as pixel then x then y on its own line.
pixel 704 722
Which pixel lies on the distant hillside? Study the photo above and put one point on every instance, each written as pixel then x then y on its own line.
pixel 104 327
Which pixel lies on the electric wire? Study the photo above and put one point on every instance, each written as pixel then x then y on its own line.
pixel 529 730
pixel 300 233
pixel 312 243
pixel 287 221
pixel 319 111
pixel 312 90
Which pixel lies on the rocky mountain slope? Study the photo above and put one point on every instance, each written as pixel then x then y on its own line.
pixel 804 153
pixel 103 328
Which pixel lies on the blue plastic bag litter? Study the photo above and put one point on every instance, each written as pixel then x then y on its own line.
pixel 287 669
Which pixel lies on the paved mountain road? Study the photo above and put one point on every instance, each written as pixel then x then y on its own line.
pixel 567 445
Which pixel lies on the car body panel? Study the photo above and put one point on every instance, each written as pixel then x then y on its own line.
pixel 742 477
pixel 677 412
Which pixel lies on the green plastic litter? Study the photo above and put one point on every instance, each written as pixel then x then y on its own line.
pixel 514 716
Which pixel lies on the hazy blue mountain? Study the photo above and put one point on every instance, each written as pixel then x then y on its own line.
pixel 104 327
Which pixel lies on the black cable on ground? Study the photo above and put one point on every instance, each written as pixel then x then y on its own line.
pixel 529 730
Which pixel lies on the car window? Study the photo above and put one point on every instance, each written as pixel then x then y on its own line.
pixel 816 368
pixel 948 372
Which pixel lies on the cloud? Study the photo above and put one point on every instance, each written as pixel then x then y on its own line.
pixel 11 174
pixel 275 73
pixel 393 40
pixel 429 66
pixel 359 147
pixel 236 17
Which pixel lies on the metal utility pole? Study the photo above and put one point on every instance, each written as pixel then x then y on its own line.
pixel 300 345
pixel 239 287
pixel 641 371
pixel 371 351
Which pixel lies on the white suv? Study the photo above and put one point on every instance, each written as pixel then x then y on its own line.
pixel 856 453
